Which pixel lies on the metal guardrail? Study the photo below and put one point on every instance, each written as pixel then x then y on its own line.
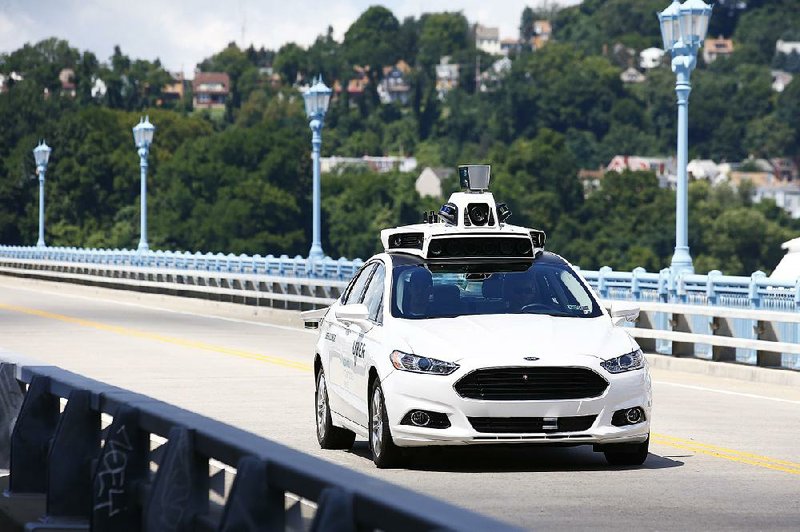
pixel 282 266
pixel 102 478
pixel 762 334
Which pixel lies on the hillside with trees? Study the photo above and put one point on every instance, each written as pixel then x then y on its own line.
pixel 241 182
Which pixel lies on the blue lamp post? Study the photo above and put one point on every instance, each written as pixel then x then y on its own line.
pixel 143 137
pixel 683 29
pixel 41 155
pixel 316 99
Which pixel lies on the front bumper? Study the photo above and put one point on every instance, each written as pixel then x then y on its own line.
pixel 405 392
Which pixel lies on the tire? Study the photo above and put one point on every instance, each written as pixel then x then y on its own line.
pixel 329 437
pixel 384 452
pixel 628 454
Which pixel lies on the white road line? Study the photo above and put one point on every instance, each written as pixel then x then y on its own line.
pixel 173 311
pixel 727 392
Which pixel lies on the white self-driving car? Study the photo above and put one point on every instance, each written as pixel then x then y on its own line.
pixel 465 331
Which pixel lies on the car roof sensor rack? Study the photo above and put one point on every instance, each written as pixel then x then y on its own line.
pixel 469 226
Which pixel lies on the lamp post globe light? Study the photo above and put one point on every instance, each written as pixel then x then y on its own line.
pixel 317 97
pixel 683 29
pixel 143 137
pixel 41 154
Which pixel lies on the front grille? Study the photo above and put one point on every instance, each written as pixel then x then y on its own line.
pixel 531 384
pixel 522 425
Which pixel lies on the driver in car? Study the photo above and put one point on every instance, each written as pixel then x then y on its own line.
pixel 418 292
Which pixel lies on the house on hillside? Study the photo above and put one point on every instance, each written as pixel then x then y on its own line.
pixel 787 47
pixel 664 167
pixel 542 32
pixel 713 48
pixel 395 87
pixel 67 79
pixel 704 169
pixel 650 58
pixel 99 88
pixel 780 79
pixel 446 76
pixel 509 46
pixel 210 90
pixel 357 85
pixel 429 182
pixel 631 75
pixel 487 39
pixel 492 77
pixel 379 164
pixel 785 168
pixel 173 92
pixel 591 180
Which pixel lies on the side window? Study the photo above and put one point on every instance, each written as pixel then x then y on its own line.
pixel 373 297
pixel 355 292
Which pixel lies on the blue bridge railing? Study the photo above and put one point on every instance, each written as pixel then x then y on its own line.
pixel 714 289
pixel 711 308
pixel 281 266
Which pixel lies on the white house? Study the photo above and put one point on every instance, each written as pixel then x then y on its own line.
pixel 99 88
pixel 429 182
pixel 780 79
pixel 378 164
pixel 446 76
pixel 651 58
pixel 703 169
pixel 787 47
pixel 631 75
pixel 487 39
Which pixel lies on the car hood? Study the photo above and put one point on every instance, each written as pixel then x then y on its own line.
pixel 510 337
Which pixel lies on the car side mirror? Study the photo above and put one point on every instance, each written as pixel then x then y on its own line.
pixel 357 314
pixel 621 312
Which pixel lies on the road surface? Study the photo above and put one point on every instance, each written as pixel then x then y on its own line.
pixel 724 453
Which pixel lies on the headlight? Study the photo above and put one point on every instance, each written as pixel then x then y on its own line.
pixel 629 362
pixel 417 364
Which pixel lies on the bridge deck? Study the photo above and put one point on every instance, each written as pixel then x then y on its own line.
pixel 724 452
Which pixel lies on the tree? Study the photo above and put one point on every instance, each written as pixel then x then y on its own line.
pixel 370 40
pixel 526 24
pixel 768 136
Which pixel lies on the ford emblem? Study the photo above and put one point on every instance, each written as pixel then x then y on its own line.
pixel 532 359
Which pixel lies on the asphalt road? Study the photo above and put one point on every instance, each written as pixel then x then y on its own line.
pixel 724 453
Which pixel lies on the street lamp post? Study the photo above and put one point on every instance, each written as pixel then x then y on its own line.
pixel 683 29
pixel 143 137
pixel 41 155
pixel 316 99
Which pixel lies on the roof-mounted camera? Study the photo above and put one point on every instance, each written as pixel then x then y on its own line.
pixel 474 177
pixel 470 226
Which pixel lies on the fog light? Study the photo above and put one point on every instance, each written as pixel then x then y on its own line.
pixel 420 418
pixel 633 415
pixel 628 416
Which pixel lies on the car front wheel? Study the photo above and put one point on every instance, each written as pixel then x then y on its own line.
pixel 628 454
pixel 384 452
pixel 329 436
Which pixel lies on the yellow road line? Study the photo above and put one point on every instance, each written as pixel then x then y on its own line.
pixel 660 439
pixel 135 333
pixel 727 454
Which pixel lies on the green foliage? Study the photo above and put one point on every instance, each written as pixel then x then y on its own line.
pixel 239 181
pixel 370 39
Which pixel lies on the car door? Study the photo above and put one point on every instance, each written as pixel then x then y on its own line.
pixel 366 343
pixel 341 356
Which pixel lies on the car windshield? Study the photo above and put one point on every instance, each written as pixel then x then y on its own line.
pixel 547 286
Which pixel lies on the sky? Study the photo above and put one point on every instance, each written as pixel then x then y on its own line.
pixel 183 32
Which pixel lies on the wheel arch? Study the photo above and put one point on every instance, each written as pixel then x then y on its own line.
pixel 317 364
